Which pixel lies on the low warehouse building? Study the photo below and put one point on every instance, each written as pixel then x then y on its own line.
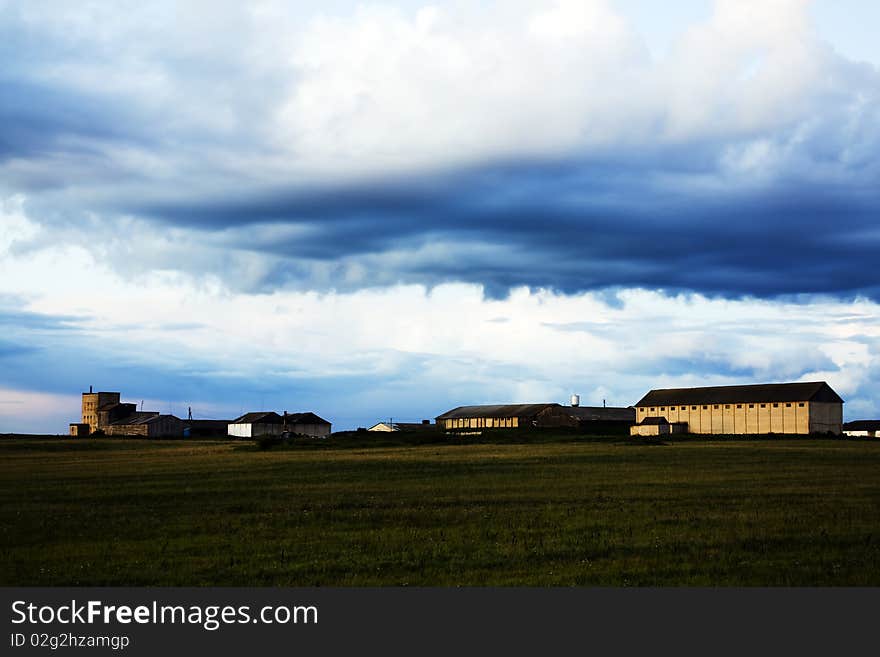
pixel 513 416
pixel 495 416
pixel 147 425
pixel 780 408
pixel 590 419
pixel 863 428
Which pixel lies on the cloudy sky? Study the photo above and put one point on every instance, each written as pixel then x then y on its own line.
pixel 388 209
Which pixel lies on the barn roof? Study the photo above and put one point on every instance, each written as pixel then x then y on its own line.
pixel 862 425
pixel 305 418
pixel 266 417
pixel 601 412
pixel 140 417
pixel 495 411
pixel 817 391
pixel 654 420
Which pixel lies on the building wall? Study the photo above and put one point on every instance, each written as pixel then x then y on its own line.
pixel 128 430
pixel 752 418
pixel 254 430
pixel 480 423
pixel 648 429
pixel 826 417
pixel 239 430
pixel 78 430
pixel 162 426
pixel 313 430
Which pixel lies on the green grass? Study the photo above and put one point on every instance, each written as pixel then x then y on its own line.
pixel 525 509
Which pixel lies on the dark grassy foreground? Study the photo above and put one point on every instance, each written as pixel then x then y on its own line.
pixel 545 511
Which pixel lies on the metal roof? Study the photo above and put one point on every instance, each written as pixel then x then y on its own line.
pixel 602 412
pixel 265 417
pixel 654 420
pixel 305 418
pixel 495 411
pixel 817 391
pixel 862 425
pixel 140 417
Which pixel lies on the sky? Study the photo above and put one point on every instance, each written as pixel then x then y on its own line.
pixel 376 210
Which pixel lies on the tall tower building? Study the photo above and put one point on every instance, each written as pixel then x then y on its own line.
pixel 91 402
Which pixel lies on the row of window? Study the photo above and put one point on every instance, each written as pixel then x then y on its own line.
pixel 693 408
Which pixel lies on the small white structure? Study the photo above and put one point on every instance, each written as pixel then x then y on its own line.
pixel 575 401
pixel 251 425
pixel 424 425
pixel 384 426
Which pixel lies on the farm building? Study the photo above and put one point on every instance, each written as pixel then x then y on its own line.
pixel 864 428
pixel 148 425
pixel 657 426
pixel 307 424
pixel 402 426
pixel 531 415
pixel 270 423
pixel 792 408
pixel 251 425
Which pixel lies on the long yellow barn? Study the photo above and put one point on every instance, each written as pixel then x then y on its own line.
pixel 780 408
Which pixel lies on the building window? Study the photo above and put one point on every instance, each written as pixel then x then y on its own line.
pixel 705 407
pixel 801 404
pixel 715 406
pixel 751 405
pixel 727 406
pixel 788 405
pixel 693 408
pixel 653 409
pixel 763 405
pixel 662 408
pixel 775 405
pixel 739 405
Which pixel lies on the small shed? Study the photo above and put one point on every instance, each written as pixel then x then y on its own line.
pixel 657 426
pixel 79 429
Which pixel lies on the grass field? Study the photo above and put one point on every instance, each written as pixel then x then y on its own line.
pixel 551 511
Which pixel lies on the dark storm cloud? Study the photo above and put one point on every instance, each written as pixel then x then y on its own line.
pixel 570 226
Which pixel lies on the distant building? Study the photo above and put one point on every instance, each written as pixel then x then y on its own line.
pixel 781 408
pixel 403 426
pixel 307 424
pixel 251 425
pixel 103 411
pixel 864 428
pixel 512 416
